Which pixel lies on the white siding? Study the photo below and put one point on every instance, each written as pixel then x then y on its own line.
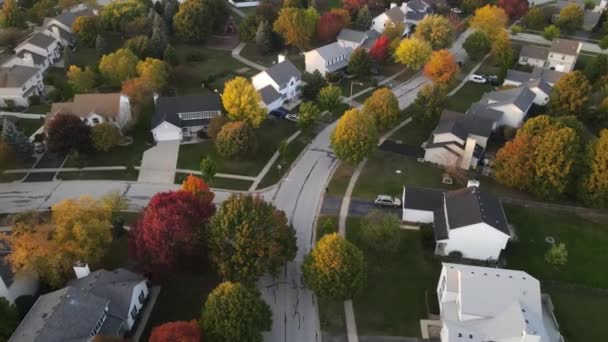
pixel 541 98
pixel 479 241
pixel 561 62
pixel 379 22
pixel 441 156
pixel 17 94
pixel 532 61
pixel 135 302
pixel 124 112
pixel 420 216
pixel 446 137
pixel 512 116
pixel 314 61
pixel 166 131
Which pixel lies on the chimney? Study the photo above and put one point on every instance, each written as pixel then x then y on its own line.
pixel 280 58
pixel 155 97
pixel 81 269
pixel 473 183
pixel 393 4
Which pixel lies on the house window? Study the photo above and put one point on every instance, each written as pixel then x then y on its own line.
pixel 141 297
pixel 524 59
pixel 134 312
pixel 95 121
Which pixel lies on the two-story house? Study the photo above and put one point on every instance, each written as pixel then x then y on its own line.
pixel 278 84
pixel 513 103
pixel 19 83
pixel 60 26
pixel 409 13
pixel 38 50
pixel 95 109
pixel 561 56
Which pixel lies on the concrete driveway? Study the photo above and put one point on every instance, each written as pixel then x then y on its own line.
pixel 158 163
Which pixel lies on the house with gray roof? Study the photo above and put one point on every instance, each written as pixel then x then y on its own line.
pixel 13 285
pixel 561 56
pixel 278 84
pixel 183 117
pixel 99 303
pixel 409 13
pixel 60 26
pixel 18 84
pixel 514 103
pixel 39 50
pixel 468 220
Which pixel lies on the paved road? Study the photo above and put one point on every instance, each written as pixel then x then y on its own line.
pixel 48 160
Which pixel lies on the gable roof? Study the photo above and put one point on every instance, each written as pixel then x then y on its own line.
pixel 352 35
pixel 16 76
pixel 542 85
pixel 395 14
pixel 269 94
pixel 481 111
pixel 533 51
pixel 414 16
pixel 551 76
pixel 168 108
pixel 417 5
pixel 422 198
pixel 468 124
pixel 282 72
pixel 333 50
pixel 565 46
pixel 105 105
pixel 69 17
pixel 39 39
pixel 468 206
pixel 518 76
pixel 521 97
pixel 38 59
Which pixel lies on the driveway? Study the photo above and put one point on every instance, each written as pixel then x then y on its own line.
pixel 49 160
pixel 158 163
pixel 357 208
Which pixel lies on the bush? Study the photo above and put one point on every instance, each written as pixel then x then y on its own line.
pixel 557 255
pixel 455 254
pixel 381 232
pixel 604 43
pixel 236 139
pixel 215 126
pixel 516 29
pixel 551 32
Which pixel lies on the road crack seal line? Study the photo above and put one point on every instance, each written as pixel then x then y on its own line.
pixel 302 189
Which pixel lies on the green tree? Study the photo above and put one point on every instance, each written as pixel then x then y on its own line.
pixel 236 139
pixel 477 45
pixel 118 13
pixel 557 255
pixel 9 319
pixel 329 97
pixel 551 32
pixel 383 107
pixel 242 102
pixel 40 10
pixel 594 189
pixel 86 28
pixel 235 313
pixel 604 43
pixel 534 19
pixel 118 66
pixel 364 19
pixel 196 19
pixel 249 237
pixel 67 57
pixel 309 117
pixel 360 63
pixel 101 46
pixel 596 68
pixel 139 45
pixel 263 38
pixel 503 52
pixel 413 53
pixel 297 26
pixel 355 136
pixel 335 268
pixel 314 83
pixel 82 81
pixel 570 18
pixel 170 56
pixel 570 95
pixel 19 143
pixel 208 169
pixel 104 136
pixel 169 11
pixel 381 231
pixel 436 30
pixel 429 104
pixel 12 15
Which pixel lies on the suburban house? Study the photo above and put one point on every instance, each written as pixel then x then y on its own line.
pixel 19 83
pixel 561 56
pixel 518 78
pixel 182 117
pixel 492 304
pixel 459 140
pixel 38 50
pixel 13 286
pixel 335 56
pixel 94 109
pixel 513 104
pixel 409 13
pixel 99 303
pixel 60 26
pixel 468 220
pixel 278 84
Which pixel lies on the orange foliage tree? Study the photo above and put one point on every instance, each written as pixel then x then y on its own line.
pixel 441 67
pixel 178 331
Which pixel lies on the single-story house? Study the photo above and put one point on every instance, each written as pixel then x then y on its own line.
pixel 278 84
pixel 181 117
pixel 13 286
pixel 19 83
pixel 468 220
pixel 561 56
pixel 95 109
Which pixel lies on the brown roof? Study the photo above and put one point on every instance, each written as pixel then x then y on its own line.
pixel 106 105
pixel 533 51
pixel 565 46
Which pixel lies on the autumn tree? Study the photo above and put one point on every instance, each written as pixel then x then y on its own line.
pixel 355 136
pixel 379 51
pixel 309 117
pixel 215 126
pixel 570 95
pixel 236 139
pixel 477 45
pixel 335 268
pixel 596 69
pixel 234 312
pixel 137 89
pixel 360 63
pixel 383 106
pixel 534 19
pixel 329 26
pixel 118 66
pixel 196 19
pixel 503 52
pixel 242 102
pixel 394 30
pixel 413 53
pixel 297 26
pixel 12 15
pixel 18 143
pixel 570 18
pixel 441 67
pixel 353 5
pixel 329 97
pixel 40 10
pixel 514 8
pixel 249 237
pixel 429 104
pixel 208 169
pixel 86 28
pixel 436 30
pixel 551 32
pixel 118 13
pixel 490 20
pixel 314 83
pixel 196 186
pixel 139 45
pixel 82 81
pixel 154 72
pixel 381 231
pixel 178 331
pixel 171 231
pixel 160 36
pixel 66 132
pixel 104 136
pixel 267 10
pixel 594 190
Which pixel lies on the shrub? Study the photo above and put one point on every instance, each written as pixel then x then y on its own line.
pixel 236 139
pixel 381 231
pixel 215 126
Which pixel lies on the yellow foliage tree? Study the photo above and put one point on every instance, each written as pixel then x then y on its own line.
pixel 118 66
pixel 435 29
pixel 82 81
pixel 242 102
pixel 355 136
pixel 490 20
pixel 441 67
pixel 414 53
pixel 154 72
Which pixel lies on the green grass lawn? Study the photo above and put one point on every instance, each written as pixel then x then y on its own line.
pixel 274 174
pixel 95 175
pixel 469 93
pixel 85 56
pixel 220 182
pixel 394 300
pixel 117 254
pixel 29 126
pixel 412 134
pixel 586 242
pixel 339 181
pixel 38 109
pixel 357 85
pixel 251 52
pixel 269 135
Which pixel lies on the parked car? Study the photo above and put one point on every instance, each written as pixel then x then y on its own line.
pixel 456 10
pixel 39 147
pixel 477 78
pixel 292 117
pixel 280 113
pixel 492 79
pixel 387 201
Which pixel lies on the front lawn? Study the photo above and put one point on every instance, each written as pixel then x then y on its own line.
pixel 29 126
pixel 269 135
pixel 220 182
pixel 251 52
pixel 412 134
pixel 38 109
pixel 88 56
pixel 467 95
pixel 293 151
pixel 585 240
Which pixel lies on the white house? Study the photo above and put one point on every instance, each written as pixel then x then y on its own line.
pixel 38 50
pixel 278 84
pixel 561 56
pixel 481 304
pixel 13 286
pixel 468 220
pixel 18 84
pixel 518 78
pixel 100 303
pixel 513 103
pixel 182 117
pixel 60 26
pixel 95 109
pixel 409 13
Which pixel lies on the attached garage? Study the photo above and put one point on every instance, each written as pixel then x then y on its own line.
pixel 166 132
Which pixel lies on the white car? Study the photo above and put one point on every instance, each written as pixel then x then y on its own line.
pixel 292 117
pixel 477 78
pixel 387 201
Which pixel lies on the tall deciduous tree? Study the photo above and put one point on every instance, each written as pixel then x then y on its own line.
pixel 436 30
pixel 86 28
pixel 249 237
pixel 236 139
pixel 104 136
pixel 67 132
pixel 329 26
pixel 297 26
pixel 477 45
pixel 363 21
pixel 379 51
pixel 118 66
pixel 154 72
pixel 118 13
pixel 570 18
pixel 314 83
pixel 82 81
pixel 242 102
pixel 383 106
pixel 355 136
pixel 329 97
pixel 335 268
pixel 360 63
pixel 441 67
pixel 570 95
pixel 503 52
pixel 534 19
pixel 429 104
pixel 514 8
pixel 309 117
pixel 489 20
pixel 196 19
pixel 413 53
pixel 595 182
pixel 178 331
pixel 171 231
pixel 234 312
pixel 12 15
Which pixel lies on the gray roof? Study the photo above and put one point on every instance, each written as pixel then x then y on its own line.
pixel 372 35
pixel 565 46
pixel 521 97
pixel 39 39
pixel 481 111
pixel 269 94
pixel 38 59
pixel 16 76
pixel 68 314
pixel 470 206
pixel 68 17
pixel 591 19
pixel 352 35
pixel 540 84
pixel 518 76
pixel 418 5
pixel 168 108
pixel 533 51
pixel 469 124
pixel 423 198
pixel 333 50
pixel 451 126
pixel 282 72
pixel 414 16
pixel 395 14
pixel 439 224
pixel 551 76
pixel 63 33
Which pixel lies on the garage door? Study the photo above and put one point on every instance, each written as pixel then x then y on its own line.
pixel 166 133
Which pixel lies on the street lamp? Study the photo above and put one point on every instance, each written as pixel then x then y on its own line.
pixel 351 91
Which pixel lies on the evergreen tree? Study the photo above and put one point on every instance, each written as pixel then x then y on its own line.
pixel 170 56
pixel 159 40
pixel 364 19
pixel 171 7
pixel 100 45
pixel 19 143
pixel 263 37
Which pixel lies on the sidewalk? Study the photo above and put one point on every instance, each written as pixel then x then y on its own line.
pixel 275 156
pixel 236 54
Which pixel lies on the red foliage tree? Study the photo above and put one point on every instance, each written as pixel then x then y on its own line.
pixel 329 26
pixel 379 51
pixel 353 5
pixel 197 187
pixel 178 331
pixel 514 8
pixel 171 229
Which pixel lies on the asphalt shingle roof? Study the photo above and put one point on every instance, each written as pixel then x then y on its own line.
pixel 565 46
pixel 269 94
pixel 469 124
pixel 16 76
pixel 168 108
pixel 352 35
pixel 282 72
pixel 551 76
pixel 395 14
pixel 470 206
pixel 40 39
pixel 521 97
pixel 536 52
pixel 423 198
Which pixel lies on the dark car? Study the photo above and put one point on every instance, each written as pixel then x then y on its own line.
pixel 279 113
